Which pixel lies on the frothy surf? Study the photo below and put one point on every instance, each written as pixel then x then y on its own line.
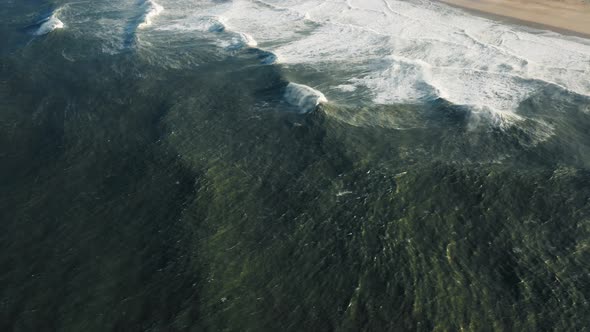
pixel 305 98
pixel 241 40
pixel 218 24
pixel 418 51
pixel 49 24
pixel 152 9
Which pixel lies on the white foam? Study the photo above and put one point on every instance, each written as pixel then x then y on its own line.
pixel 52 23
pixel 415 51
pixel 346 87
pixel 307 99
pixel 244 39
pixel 217 24
pixel 197 23
pixel 152 9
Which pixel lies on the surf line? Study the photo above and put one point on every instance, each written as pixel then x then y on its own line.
pixel 304 97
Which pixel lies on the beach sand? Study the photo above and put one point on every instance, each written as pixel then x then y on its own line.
pixel 564 16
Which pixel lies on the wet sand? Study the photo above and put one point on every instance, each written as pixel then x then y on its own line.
pixel 564 16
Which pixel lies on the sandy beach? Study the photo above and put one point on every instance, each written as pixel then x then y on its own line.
pixel 564 16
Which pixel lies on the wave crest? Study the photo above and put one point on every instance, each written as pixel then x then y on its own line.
pixel 49 24
pixel 306 98
pixel 152 9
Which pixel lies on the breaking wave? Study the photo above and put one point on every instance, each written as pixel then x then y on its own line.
pixel 412 52
pixel 152 9
pixel 307 99
pixel 51 23
pixel 241 40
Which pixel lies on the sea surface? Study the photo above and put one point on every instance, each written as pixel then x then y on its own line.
pixel 290 165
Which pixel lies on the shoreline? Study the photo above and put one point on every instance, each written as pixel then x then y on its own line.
pixel 569 17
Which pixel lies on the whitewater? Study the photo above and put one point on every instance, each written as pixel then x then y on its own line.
pixel 385 51
pixel 282 165
pixel 405 52
pixel 151 10
pixel 48 24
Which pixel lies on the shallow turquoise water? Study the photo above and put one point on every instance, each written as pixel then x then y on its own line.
pixel 164 184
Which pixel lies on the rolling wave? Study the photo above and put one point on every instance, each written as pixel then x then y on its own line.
pixel 307 99
pixel 302 96
pixel 241 40
pixel 416 52
pixel 48 24
pixel 152 9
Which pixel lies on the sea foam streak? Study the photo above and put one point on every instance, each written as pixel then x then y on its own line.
pixel 416 51
pixel 152 9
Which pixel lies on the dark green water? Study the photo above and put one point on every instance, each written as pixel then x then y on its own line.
pixel 143 195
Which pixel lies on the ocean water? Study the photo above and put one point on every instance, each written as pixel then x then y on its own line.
pixel 293 165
